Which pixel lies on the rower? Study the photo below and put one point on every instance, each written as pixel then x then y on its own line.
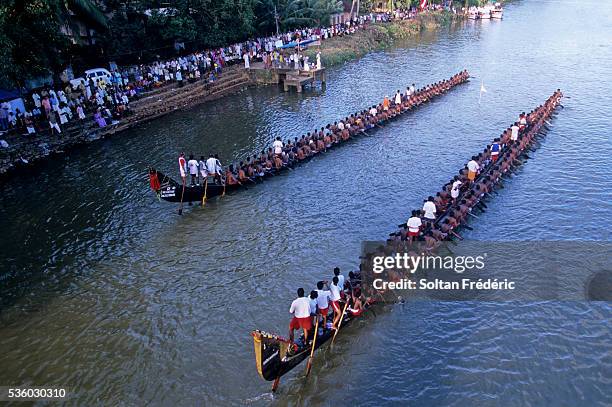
pixel 414 226
pixel 230 179
pixel 193 169
pixel 182 167
pixel 429 207
pixel 473 168
pixel 300 308
pixel 323 300
pixel 241 174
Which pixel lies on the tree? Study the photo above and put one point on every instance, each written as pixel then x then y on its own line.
pixel 31 40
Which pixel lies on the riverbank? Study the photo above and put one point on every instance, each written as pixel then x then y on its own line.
pixel 24 152
pixel 377 36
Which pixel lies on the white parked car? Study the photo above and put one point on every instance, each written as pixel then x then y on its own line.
pixel 97 74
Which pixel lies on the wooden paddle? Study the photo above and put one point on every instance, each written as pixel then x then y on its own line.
pixel 340 322
pixel 314 341
pixel 205 191
pixel 180 211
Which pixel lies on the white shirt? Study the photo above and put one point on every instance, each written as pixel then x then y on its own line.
pixel 473 166
pixel 341 281
pixel 203 170
pixel 414 224
pixel 211 164
pixel 323 298
pixel 341 126
pixel 278 146
pixel 430 210
pixel 300 307
pixel 398 99
pixel 455 189
pixel 193 167
pixel 313 305
pixel 514 135
pixel 335 292
pixel 373 111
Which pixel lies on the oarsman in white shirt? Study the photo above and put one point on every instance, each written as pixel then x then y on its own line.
pixel 182 166
pixel 203 169
pixel 323 300
pixel 300 308
pixel 192 164
pixel 456 188
pixel 211 166
pixel 278 146
pixel 514 132
pixel 373 111
pixel 398 98
pixel 412 90
pixel 312 298
pixel 334 289
pixel 429 207
pixel 414 226
pixel 340 280
pixel 473 168
pixel 340 125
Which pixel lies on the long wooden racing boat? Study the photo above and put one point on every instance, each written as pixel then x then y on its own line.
pixel 274 356
pixel 171 190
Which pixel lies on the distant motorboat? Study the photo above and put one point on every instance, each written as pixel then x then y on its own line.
pixel 497 11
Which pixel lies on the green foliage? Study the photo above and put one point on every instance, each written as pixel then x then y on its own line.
pixel 31 42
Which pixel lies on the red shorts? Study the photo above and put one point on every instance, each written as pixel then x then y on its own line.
pixel 413 234
pixel 297 323
pixel 494 157
pixel 336 306
pixel 324 311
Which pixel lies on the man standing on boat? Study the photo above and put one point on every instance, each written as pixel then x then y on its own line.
pixel 335 290
pixel 473 168
pixel 203 170
pixel 429 207
pixel 323 299
pixel 495 148
pixel 278 146
pixel 340 279
pixel 300 308
pixel 414 226
pixel 182 167
pixel 193 169
pixel 514 132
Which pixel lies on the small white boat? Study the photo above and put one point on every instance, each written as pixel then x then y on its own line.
pixel 497 11
pixel 473 13
pixel 485 12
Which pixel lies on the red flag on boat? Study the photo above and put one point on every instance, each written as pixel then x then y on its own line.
pixel 422 4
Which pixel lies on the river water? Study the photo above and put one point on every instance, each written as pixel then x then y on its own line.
pixel 107 291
